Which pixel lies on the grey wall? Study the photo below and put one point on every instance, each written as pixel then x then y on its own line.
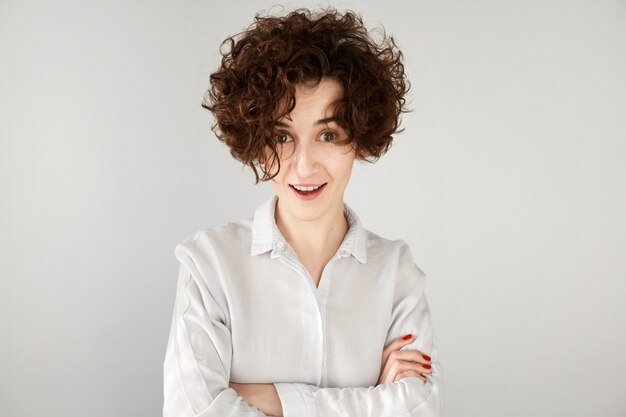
pixel 509 184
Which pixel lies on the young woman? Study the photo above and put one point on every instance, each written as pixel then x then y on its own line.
pixel 300 311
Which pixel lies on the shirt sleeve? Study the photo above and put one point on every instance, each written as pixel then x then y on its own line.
pixel 408 397
pixel 196 369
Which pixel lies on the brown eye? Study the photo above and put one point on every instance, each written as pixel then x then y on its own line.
pixel 328 136
pixel 281 137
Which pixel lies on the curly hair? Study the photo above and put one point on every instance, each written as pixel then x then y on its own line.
pixel 262 65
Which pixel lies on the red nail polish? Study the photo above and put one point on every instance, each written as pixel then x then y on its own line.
pixel 407 337
pixel 427 366
pixel 426 357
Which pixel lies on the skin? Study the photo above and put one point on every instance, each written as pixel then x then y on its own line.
pixel 397 364
pixel 316 228
pixel 309 155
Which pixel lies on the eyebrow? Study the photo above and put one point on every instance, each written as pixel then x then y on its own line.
pixel 323 121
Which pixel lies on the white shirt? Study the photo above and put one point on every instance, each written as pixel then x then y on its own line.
pixel 248 311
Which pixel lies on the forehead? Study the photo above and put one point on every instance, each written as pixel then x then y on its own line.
pixel 327 87
pixel 316 100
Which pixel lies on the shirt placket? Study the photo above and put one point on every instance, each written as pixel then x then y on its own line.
pixel 320 293
pixel 323 290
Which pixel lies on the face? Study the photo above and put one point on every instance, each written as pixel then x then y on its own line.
pixel 314 170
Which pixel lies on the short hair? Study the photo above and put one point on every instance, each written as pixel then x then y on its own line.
pixel 261 66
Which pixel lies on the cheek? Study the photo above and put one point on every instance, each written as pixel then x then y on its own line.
pixel 347 172
pixel 277 188
pixel 278 179
pixel 342 168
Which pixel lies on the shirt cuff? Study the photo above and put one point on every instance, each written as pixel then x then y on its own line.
pixel 297 399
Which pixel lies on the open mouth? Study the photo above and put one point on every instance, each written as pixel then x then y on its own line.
pixel 308 191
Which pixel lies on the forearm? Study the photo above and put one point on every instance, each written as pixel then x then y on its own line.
pixel 412 397
pixel 407 397
pixel 262 396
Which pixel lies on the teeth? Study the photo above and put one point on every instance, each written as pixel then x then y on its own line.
pixel 311 188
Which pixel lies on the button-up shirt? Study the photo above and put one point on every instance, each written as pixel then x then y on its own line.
pixel 247 311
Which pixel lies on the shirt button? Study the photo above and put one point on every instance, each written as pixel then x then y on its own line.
pixel 343 252
pixel 279 245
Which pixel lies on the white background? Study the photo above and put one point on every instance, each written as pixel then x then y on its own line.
pixel 509 183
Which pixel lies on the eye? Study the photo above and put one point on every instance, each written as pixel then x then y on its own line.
pixel 328 136
pixel 281 137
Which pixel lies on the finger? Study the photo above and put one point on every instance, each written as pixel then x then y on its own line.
pixel 402 365
pixel 388 361
pixel 393 357
pixel 396 365
pixel 412 355
pixel 408 373
pixel 391 366
pixel 419 353
pixel 396 344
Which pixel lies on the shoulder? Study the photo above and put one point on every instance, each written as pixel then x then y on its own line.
pixel 396 249
pixel 379 244
pixel 216 242
pixel 395 259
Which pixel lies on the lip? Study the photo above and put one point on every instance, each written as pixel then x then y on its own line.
pixel 310 196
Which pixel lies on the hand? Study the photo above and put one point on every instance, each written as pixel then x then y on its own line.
pixel 398 364
pixel 262 396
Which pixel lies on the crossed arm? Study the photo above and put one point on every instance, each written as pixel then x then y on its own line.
pixel 396 364
pixel 197 372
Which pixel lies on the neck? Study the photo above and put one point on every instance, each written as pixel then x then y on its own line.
pixel 313 239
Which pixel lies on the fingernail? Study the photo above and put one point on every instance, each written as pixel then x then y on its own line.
pixel 407 337
pixel 427 366
pixel 426 357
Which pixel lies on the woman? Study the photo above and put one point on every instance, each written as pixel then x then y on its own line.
pixel 300 311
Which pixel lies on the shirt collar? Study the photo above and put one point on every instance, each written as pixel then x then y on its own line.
pixel 266 236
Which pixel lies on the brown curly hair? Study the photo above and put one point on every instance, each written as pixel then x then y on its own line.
pixel 262 65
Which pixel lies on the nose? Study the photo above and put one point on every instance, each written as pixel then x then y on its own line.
pixel 305 159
